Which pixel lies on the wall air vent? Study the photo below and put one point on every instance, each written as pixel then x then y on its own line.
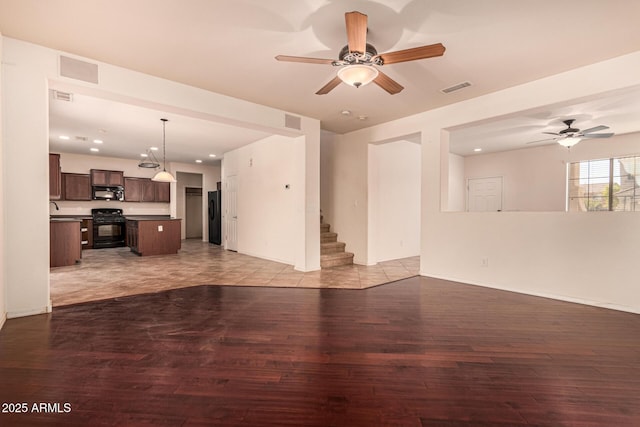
pixel 78 70
pixel 455 87
pixel 62 96
pixel 292 122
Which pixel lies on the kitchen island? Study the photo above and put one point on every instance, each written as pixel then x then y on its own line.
pixel 153 236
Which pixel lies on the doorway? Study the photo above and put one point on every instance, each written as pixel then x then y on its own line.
pixel 193 212
pixel 484 194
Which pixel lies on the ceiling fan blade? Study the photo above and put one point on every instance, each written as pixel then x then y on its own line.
pixel 594 129
pixel 329 86
pixel 412 54
pixel 552 133
pixel 387 83
pixel 597 135
pixel 356 23
pixel 304 59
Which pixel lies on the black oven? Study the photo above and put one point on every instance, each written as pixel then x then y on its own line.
pixel 108 228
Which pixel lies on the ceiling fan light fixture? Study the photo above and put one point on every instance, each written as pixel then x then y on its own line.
pixel 569 141
pixel 358 74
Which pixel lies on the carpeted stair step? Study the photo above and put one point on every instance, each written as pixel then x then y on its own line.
pixel 335 260
pixel 324 228
pixel 331 248
pixel 328 237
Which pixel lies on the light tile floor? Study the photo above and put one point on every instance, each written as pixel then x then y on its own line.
pixel 115 272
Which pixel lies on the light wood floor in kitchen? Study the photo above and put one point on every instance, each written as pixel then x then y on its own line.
pixel 116 272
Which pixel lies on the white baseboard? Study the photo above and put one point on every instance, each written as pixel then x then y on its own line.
pixel 600 304
pixel 24 313
pixel 3 318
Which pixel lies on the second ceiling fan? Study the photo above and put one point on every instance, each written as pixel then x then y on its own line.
pixel 359 58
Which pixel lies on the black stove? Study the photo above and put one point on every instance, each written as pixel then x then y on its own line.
pixel 108 228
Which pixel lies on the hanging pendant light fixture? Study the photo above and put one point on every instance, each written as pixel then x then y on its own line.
pixel 149 161
pixel 164 176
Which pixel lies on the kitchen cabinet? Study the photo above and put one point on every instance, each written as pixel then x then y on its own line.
pixel 145 190
pixel 55 177
pixel 153 236
pixel 86 233
pixel 76 186
pixel 132 189
pixel 148 190
pixel 107 178
pixel 162 191
pixel 65 242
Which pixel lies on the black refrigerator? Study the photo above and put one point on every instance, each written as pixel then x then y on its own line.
pixel 215 216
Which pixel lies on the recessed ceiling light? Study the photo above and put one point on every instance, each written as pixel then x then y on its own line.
pixel 102 130
pixel 362 117
pixel 198 161
pixel 95 150
pixel 65 137
pixel 477 150
pixel 153 148
pixel 345 112
pixel 98 141
pixel 144 155
pixel 212 155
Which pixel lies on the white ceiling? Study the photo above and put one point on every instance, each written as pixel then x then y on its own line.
pixel 229 47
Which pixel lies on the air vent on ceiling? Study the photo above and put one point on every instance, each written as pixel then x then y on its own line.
pixel 455 87
pixel 292 122
pixel 79 70
pixel 81 138
pixel 62 96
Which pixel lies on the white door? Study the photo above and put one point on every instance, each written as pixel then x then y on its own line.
pixel 484 194
pixel 231 214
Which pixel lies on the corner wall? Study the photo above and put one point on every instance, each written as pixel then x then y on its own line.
pixel 28 72
pixel 540 253
pixel 3 307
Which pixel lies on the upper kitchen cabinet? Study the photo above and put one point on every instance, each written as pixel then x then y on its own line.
pixel 132 189
pixel 145 190
pixel 76 186
pixel 107 178
pixel 55 177
pixel 162 191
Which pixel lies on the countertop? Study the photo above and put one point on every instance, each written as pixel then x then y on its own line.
pixel 150 218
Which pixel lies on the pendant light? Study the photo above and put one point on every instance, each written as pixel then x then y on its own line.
pixel 164 176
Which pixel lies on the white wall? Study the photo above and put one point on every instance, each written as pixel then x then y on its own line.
pixel 394 197
pixel 540 253
pixel 457 186
pixel 3 308
pixel 535 178
pixel 327 176
pixel 265 207
pixel 29 71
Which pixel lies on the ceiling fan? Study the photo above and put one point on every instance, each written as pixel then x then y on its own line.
pixel 571 136
pixel 357 59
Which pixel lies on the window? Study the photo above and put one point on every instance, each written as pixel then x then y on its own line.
pixel 605 185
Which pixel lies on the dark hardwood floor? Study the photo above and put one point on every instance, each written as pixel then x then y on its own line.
pixel 417 352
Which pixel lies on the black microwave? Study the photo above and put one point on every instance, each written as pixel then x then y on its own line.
pixel 108 193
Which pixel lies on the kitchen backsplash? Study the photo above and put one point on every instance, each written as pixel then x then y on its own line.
pixel 129 208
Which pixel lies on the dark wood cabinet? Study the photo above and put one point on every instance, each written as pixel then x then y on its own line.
pixel 148 190
pixel 86 232
pixel 154 237
pixel 145 190
pixel 55 178
pixel 65 241
pixel 76 186
pixel 132 189
pixel 106 178
pixel 162 191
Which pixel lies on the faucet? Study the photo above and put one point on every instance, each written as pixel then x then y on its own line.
pixel 55 204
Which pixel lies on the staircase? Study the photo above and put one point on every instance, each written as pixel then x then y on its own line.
pixel 332 252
